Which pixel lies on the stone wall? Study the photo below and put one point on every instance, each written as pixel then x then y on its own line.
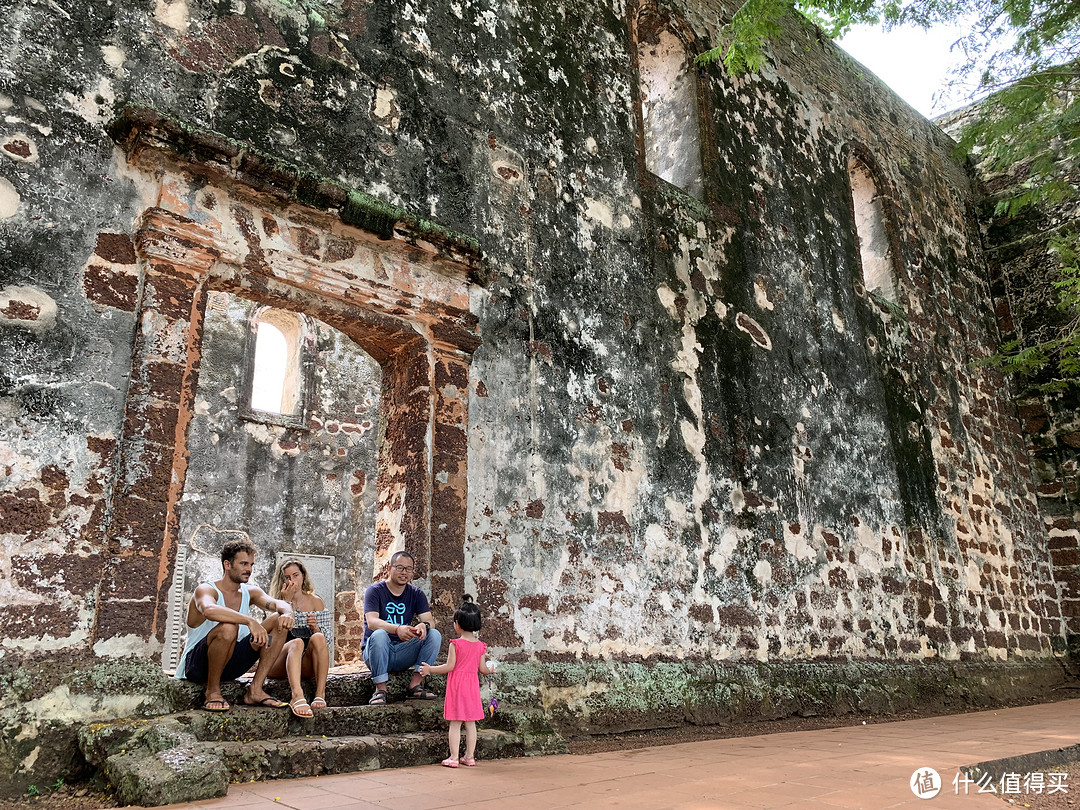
pixel 641 425
pixel 1022 272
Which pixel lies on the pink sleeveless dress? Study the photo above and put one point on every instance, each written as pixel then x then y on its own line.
pixel 463 683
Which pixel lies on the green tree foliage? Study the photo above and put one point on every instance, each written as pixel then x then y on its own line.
pixel 1026 139
pixel 1023 56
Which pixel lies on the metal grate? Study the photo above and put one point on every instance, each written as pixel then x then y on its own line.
pixel 174 621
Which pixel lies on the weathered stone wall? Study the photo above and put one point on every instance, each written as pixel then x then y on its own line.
pixel 1022 272
pixel 686 433
pixel 763 462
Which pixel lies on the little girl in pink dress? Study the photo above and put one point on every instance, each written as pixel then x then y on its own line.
pixel 465 660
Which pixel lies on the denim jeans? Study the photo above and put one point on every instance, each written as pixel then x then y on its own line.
pixel 384 653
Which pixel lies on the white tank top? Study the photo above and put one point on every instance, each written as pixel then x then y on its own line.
pixel 201 631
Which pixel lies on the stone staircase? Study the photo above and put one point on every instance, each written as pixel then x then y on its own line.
pixel 194 754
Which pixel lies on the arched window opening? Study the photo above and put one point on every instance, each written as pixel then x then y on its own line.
pixel 669 107
pixel 271 367
pixel 277 379
pixel 872 228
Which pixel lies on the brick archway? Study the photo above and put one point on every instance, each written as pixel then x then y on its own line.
pixel 402 295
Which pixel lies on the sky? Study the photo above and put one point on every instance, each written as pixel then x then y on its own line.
pixel 913 62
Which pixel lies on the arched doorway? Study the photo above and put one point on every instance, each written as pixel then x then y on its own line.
pixel 401 294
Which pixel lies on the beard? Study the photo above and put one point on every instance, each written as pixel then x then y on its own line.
pixel 236 577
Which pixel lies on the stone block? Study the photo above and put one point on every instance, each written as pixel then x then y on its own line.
pixel 172 776
pixel 99 741
pixel 350 755
pixel 403 750
pixel 123 617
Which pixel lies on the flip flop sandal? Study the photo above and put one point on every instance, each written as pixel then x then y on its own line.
pixel 268 703
pixel 449 763
pixel 318 703
pixel 215 705
pixel 418 692
pixel 298 706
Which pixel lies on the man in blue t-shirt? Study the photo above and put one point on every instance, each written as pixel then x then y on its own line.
pixel 391 640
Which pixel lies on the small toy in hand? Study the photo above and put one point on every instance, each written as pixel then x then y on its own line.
pixel 493 702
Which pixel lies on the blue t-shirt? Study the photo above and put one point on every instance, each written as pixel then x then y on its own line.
pixel 395 609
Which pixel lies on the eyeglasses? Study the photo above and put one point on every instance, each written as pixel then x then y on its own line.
pixel 405 569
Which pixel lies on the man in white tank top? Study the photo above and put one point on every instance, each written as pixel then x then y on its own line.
pixel 224 641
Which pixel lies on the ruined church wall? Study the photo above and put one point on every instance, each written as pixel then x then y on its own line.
pixel 764 462
pixel 692 435
pixel 686 400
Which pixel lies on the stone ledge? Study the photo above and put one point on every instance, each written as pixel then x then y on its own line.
pixel 610 697
pixel 139 128
pixel 1024 763
pixel 193 772
pixel 548 698
pixel 194 755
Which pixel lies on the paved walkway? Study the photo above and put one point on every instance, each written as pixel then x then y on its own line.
pixel 857 767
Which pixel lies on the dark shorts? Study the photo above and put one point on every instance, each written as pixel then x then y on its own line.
pixel 306 638
pixel 243 658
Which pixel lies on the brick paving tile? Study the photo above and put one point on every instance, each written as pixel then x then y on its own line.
pixel 644 782
pixel 657 800
pixel 368 777
pixel 238 797
pixel 389 776
pixel 226 801
pixel 757 798
pixel 701 804
pixel 534 801
pixel 419 780
pixel 368 791
pixel 787 792
pixel 423 801
pixel 833 780
pixel 284 789
pixel 867 796
pixel 324 799
pixel 716 786
pixel 476 793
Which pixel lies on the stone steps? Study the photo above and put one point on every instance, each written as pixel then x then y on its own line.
pixel 335 721
pixel 315 756
pixel 195 754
